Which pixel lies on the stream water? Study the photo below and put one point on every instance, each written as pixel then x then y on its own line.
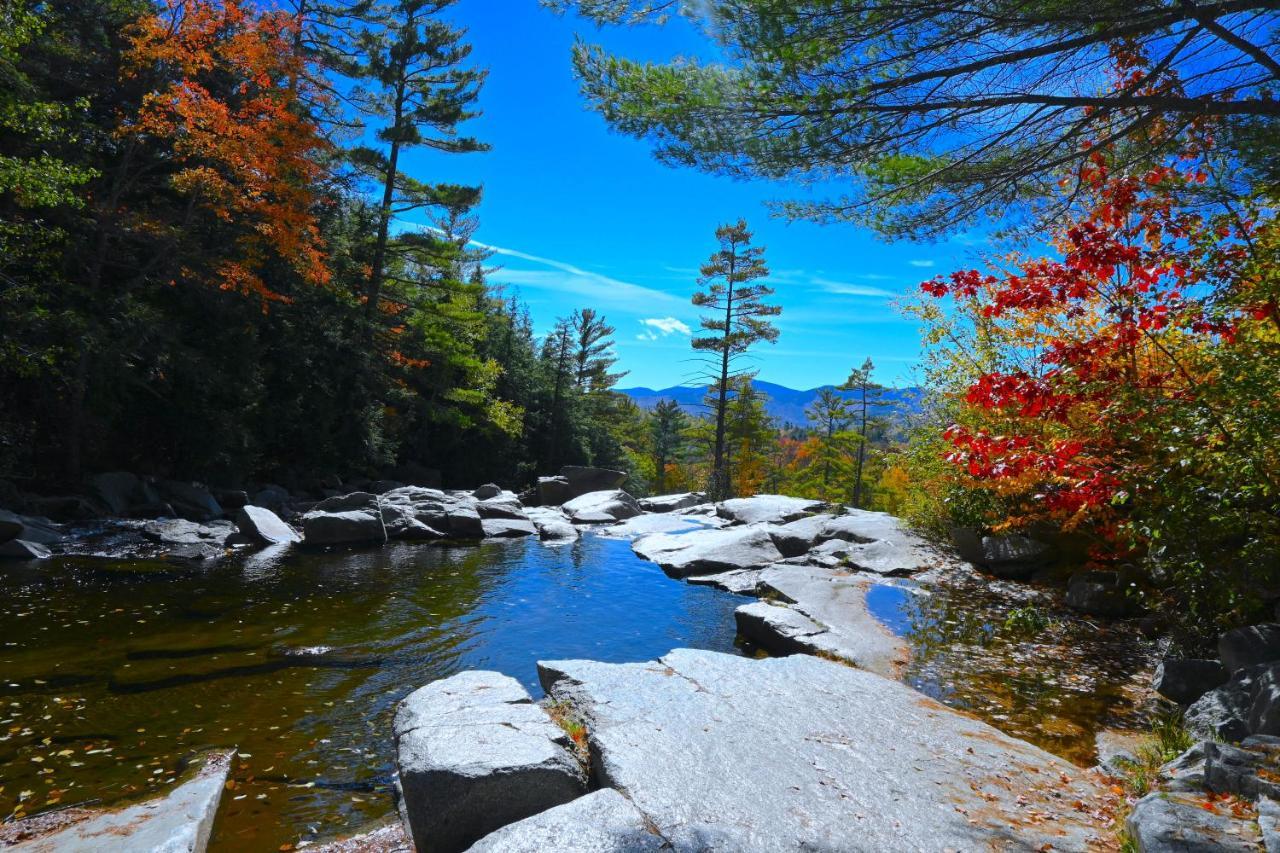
pixel 113 674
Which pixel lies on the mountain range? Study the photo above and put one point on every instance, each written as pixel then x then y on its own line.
pixel 786 405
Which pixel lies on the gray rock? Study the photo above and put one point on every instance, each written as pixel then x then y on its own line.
pixel 21 549
pixel 488 490
pixel 1186 772
pixel 1264 710
pixel 1223 713
pixel 768 509
pixel 464 522
pixel 728 753
pixel 705 552
pixel 508 528
pixel 1013 555
pixel 1184 680
pixel 741 581
pixel 553 525
pixel 29 529
pixel 475 754
pixel 797 537
pixel 192 501
pixel 601 507
pixel 583 480
pixel 1098 593
pixel 388 838
pixel 180 531
pixel 1179 823
pixel 889 558
pixel 1249 646
pixel 1269 824
pixel 553 491
pixel 178 822
pixel 272 497
pixel 119 490
pixel 672 503
pixel 354 519
pixel 231 498
pixel 262 525
pixel 1237 770
pixel 401 522
pixel 501 506
pixel 601 822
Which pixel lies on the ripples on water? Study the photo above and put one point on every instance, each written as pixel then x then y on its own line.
pixel 112 674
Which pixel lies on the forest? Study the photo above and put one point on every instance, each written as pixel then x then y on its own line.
pixel 203 276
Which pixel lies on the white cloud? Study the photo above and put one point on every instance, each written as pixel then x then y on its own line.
pixel 844 288
pixel 667 325
pixel 921 263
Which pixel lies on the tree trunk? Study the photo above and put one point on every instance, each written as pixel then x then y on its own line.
pixel 862 452
pixel 376 274
pixel 720 467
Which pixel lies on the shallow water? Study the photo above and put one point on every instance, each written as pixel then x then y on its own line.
pixel 113 674
pixel 1056 682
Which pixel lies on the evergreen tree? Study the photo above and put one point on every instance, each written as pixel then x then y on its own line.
pixel 738 321
pixel 750 434
pixel 869 396
pixel 831 415
pixel 421 93
pixel 667 423
pixel 594 351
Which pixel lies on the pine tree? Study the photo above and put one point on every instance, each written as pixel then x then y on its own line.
pixel 594 351
pixel 667 423
pixel 738 321
pixel 869 396
pixel 831 415
pixel 422 93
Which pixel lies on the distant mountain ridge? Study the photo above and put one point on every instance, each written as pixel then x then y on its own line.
pixel 785 404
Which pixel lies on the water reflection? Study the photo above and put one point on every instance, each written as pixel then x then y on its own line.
pixel 112 673
pixel 1056 685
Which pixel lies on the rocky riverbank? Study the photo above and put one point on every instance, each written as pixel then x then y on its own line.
pixel 815 571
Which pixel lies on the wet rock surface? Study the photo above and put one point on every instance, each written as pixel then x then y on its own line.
pixel 797 767
pixel 177 822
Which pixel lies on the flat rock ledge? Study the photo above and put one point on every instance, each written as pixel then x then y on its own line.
pixel 720 752
pixel 475 754
pixel 178 822
pixel 601 822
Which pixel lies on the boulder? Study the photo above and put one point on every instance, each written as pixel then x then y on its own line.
pixel 1186 680
pixel 553 491
pixel 1164 822
pixel 1013 555
pixel 475 754
pixel 705 552
pixel 887 557
pixel 488 490
pixel 552 524
pixel 601 822
pixel 263 526
pixel 601 507
pixel 354 519
pixel 723 752
pixel 190 500
pixel 507 528
pixel 401 522
pixel 767 509
pixel 1098 593
pixel 21 549
pixel 29 528
pixel 672 503
pixel 230 499
pixel 272 497
pixel 1248 646
pixel 464 522
pixel 1223 713
pixel 120 490
pixel 177 822
pixel 583 480
pixel 739 582
pixel 1264 710
pixel 501 506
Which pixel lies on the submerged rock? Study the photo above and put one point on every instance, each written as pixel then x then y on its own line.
pixel 601 507
pixel 475 754
pixel 178 822
pixel 704 552
pixel 354 519
pixel 264 526
pixel 601 822
pixel 728 753
pixel 771 509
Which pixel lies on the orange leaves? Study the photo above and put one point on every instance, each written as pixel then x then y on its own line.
pixel 227 100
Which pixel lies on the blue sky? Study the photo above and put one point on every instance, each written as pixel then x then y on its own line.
pixel 581 217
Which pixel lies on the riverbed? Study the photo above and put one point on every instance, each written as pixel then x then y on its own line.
pixel 113 673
